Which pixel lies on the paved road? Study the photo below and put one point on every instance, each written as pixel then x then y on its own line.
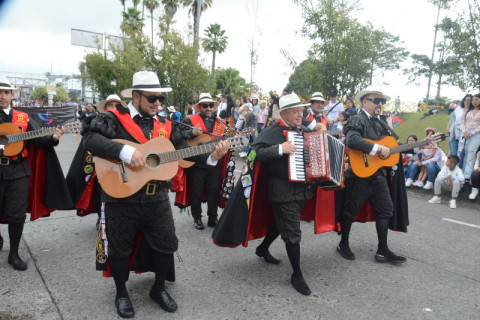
pixel 441 279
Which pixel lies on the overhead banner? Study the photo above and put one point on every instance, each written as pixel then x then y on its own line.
pixel 50 117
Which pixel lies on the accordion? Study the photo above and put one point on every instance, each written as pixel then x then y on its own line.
pixel 319 158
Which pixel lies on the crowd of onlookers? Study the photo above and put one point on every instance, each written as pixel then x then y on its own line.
pixel 430 168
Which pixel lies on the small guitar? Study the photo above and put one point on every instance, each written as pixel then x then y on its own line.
pixel 206 138
pixel 120 180
pixel 364 165
pixel 12 138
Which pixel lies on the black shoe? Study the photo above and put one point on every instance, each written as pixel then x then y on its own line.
pixel 385 255
pixel 300 285
pixel 17 263
pixel 198 224
pixel 212 222
pixel 1 242
pixel 163 299
pixel 265 254
pixel 344 250
pixel 124 307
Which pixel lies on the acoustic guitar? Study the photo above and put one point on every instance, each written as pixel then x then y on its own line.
pixel 120 180
pixel 206 138
pixel 12 138
pixel 364 165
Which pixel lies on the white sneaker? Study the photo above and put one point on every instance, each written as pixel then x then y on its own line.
pixel 435 199
pixel 428 185
pixel 242 154
pixel 418 184
pixel 409 182
pixel 453 204
pixel 473 194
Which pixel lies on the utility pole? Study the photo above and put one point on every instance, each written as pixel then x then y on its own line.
pixel 433 56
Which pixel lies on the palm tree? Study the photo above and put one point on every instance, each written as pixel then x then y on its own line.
pixel 132 22
pixel 123 4
pixel 170 7
pixel 193 11
pixel 135 3
pixel 151 6
pixel 216 41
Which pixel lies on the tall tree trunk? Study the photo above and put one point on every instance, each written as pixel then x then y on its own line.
pixel 151 19
pixel 433 55
pixel 439 86
pixel 213 62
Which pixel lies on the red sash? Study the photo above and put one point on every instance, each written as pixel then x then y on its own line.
pixel 159 129
pixel 20 119
pixel 218 128
pixel 322 118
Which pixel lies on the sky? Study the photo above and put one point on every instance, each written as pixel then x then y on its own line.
pixel 37 36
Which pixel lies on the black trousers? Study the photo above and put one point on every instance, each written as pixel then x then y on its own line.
pixel 374 189
pixel 475 179
pixel 199 179
pixel 287 218
pixel 14 198
pixel 125 220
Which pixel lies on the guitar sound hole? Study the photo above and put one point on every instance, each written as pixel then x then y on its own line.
pixel 153 160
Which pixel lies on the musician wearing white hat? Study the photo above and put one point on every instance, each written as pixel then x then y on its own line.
pixel 368 125
pixel 15 170
pixel 147 210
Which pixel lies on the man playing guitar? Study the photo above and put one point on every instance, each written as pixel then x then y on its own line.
pixel 205 174
pixel 148 210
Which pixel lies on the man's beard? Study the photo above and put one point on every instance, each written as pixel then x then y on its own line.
pixel 143 113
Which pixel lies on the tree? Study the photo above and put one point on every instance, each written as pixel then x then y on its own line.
pixel 100 73
pixel 40 94
pixel 123 4
pixel 205 4
pixel 215 41
pixel 307 79
pixel 135 3
pixel 229 81
pixel 132 22
pixel 61 94
pixel 170 7
pixel 151 6
pixel 348 53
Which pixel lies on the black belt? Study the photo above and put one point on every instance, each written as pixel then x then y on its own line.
pixel 5 161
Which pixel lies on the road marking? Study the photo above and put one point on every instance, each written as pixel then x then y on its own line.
pixel 461 222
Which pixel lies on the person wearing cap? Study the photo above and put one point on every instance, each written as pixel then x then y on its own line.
pixel 15 172
pixel 147 210
pixel 333 110
pixel 317 104
pixel 375 189
pixel 175 115
pixel 85 191
pixel 205 174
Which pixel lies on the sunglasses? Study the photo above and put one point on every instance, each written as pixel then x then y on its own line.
pixel 152 99
pixel 377 101
pixel 205 106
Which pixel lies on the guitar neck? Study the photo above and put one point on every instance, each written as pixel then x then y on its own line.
pixel 408 146
pixel 30 135
pixel 186 153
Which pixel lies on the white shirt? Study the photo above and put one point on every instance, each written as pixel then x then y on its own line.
pixel 333 115
pixel 127 151
pixel 222 106
pixel 456 174
pixel 7 110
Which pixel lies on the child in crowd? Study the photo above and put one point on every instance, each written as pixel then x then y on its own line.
pixel 449 178
pixel 409 158
pixel 475 178
pixel 427 154
pixel 343 118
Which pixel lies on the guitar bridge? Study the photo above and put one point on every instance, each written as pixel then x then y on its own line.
pixel 123 171
pixel 365 159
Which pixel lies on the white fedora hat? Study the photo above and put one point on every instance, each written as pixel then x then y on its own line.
pixel 291 100
pixel 317 96
pixel 369 90
pixel 144 81
pixel 204 97
pixel 171 109
pixel 6 85
pixel 110 98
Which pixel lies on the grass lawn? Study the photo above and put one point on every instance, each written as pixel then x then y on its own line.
pixel 412 124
